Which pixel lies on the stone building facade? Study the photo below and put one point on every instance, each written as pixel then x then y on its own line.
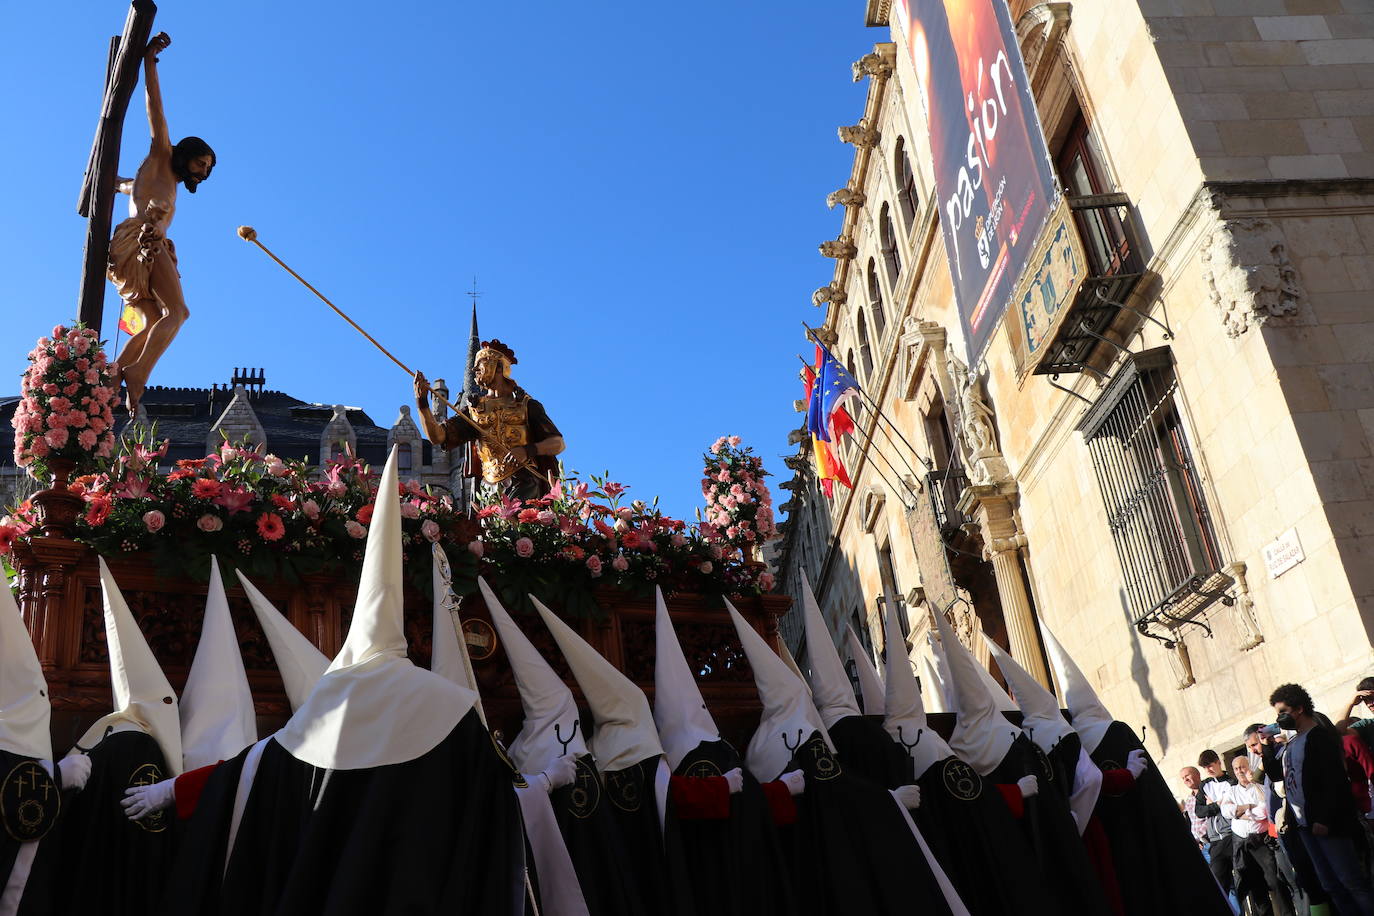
pixel 1177 479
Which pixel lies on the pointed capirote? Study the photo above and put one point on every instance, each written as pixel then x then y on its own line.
pixel 551 727
pixel 1089 716
pixel 982 736
pixel 448 654
pixel 1041 719
pixel 373 707
pixel 301 664
pixel 625 734
pixel 679 711
pixel 789 716
pixel 870 682
pixel 24 705
pixel 217 715
pixel 829 684
pixel 786 655
pixel 934 693
pixel 143 699
pixel 1000 698
pixel 905 720
pixel 939 666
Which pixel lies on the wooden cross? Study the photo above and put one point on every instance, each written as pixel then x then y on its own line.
pixel 96 202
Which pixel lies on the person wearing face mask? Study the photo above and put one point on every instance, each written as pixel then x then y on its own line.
pixel 1317 801
pixel 1289 857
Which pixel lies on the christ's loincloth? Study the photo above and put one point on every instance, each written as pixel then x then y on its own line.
pixel 130 266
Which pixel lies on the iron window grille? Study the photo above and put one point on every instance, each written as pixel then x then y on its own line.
pixel 1155 505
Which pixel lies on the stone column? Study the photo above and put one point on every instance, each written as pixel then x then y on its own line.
pixel 991 505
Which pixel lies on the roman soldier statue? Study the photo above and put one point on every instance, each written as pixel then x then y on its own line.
pixel 515 441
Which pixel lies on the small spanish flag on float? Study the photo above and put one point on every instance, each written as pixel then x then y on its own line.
pixel 131 320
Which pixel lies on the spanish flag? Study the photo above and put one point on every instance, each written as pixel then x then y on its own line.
pixel 131 320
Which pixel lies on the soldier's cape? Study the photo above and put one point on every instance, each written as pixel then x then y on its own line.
pixel 122 864
pixel 860 742
pixel 1148 835
pixel 730 847
pixel 635 775
pixel 551 728
pixel 1002 755
pixel 853 848
pixel 965 819
pixel 382 793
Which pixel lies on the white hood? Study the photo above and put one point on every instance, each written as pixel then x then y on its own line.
pixel 906 716
pixel 982 735
pixel 217 715
pixel 789 716
pixel 551 728
pixel 934 692
pixel 1041 719
pixel 373 707
pixel 679 711
pixel 939 667
pixel 829 684
pixel 24 707
pixel 1000 698
pixel 625 733
pixel 300 663
pixel 1090 718
pixel 870 681
pixel 448 654
pixel 143 699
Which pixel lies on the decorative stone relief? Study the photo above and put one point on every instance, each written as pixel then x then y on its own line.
pixel 829 294
pixel 861 135
pixel 876 64
pixel 826 336
pixel 1248 273
pixel 846 197
pixel 842 247
pixel 1181 664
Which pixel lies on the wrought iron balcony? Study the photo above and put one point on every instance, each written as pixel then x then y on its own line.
pixel 1114 268
pixel 946 485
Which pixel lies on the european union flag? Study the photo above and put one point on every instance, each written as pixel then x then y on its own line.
pixel 833 387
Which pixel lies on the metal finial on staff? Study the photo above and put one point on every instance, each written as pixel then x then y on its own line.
pixel 249 234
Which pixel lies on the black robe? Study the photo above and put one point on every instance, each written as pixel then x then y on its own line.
pixel 652 852
pixel 592 835
pixel 974 836
pixel 1150 837
pixel 437 834
pixel 1050 828
pixel 851 849
pixel 101 861
pixel 736 865
pixel 30 806
pixel 866 749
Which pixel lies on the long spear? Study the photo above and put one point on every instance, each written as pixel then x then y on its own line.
pixel 249 234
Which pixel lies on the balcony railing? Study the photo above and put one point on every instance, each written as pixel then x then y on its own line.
pixel 1115 266
pixel 946 485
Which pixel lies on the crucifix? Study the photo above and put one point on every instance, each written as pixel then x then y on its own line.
pixel 96 202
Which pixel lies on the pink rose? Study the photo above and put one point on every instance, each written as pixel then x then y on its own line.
pixel 679 541
pixel 546 517
pixel 355 530
pixel 706 567
pixel 476 548
pixel 766 581
pixel 524 547
pixel 620 564
pixel 594 565
pixel 311 509
pixel 153 520
pixel 410 510
pixel 209 523
pixel 430 529
pixel 276 467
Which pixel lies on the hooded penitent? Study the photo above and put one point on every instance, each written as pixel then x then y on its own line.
pixel 982 736
pixel 301 664
pixel 448 655
pixel 217 716
pixel 24 707
pixel 373 706
pixel 679 711
pixel 1090 718
pixel 934 691
pixel 905 719
pixel 829 683
pixel 870 682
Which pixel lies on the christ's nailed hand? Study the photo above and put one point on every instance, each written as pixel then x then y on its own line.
pixel 156 45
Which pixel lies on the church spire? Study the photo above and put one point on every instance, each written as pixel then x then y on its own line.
pixel 469 389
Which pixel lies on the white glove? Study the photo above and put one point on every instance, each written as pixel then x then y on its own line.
pixel 795 781
pixel 561 772
pixel 734 779
pixel 1028 785
pixel 75 769
pixel 908 796
pixel 142 801
pixel 1136 762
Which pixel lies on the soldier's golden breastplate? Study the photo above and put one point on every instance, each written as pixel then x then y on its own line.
pixel 504 425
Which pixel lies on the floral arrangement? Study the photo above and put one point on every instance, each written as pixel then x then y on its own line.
pixel 739 508
pixel 68 396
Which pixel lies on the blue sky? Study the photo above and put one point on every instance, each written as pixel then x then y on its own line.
pixel 640 192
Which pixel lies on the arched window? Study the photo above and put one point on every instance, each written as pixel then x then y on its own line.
pixel 906 183
pixel 865 351
pixel 888 237
pixel 404 461
pixel 875 300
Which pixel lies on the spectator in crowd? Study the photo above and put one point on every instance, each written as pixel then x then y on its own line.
pixel 1294 867
pixel 1192 780
pixel 1256 871
pixel 1317 800
pixel 1358 737
pixel 1207 805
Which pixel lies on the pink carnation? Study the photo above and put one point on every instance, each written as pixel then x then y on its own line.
pixel 311 509
pixel 410 510
pixel 546 517
pixel 87 438
pixel 355 530
pixel 766 581
pixel 57 438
